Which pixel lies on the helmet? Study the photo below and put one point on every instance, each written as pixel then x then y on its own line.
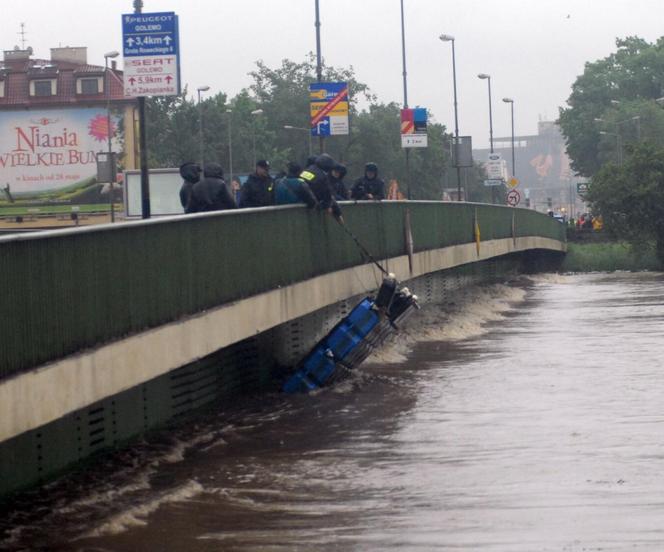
pixel 371 167
pixel 325 162
pixel 294 169
pixel 342 169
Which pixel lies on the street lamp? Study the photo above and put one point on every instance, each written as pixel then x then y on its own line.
pixel 450 38
pixel 229 112
pixel 307 130
pixel 255 113
pixel 109 132
pixel 511 102
pixel 486 77
pixel 200 89
pixel 618 143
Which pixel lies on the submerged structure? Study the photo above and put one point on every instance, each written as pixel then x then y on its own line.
pixel 353 339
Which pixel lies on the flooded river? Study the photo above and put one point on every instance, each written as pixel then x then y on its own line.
pixel 531 419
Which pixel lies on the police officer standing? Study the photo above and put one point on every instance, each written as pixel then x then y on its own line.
pixel 336 177
pixel 369 186
pixel 258 190
pixel 316 176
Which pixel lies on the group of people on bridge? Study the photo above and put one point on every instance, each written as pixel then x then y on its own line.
pixel 320 184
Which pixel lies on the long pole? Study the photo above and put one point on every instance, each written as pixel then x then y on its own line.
pixel 230 146
pixel 493 188
pixel 513 154
pixel 490 116
pixel 253 139
pixel 319 69
pixel 200 130
pixel 111 161
pixel 456 125
pixel 405 93
pixel 143 143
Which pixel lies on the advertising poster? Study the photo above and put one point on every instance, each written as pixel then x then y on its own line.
pixel 49 156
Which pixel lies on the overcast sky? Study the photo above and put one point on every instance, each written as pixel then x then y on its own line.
pixel 533 49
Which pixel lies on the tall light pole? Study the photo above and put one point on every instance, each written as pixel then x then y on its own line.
pixel 450 38
pixel 109 127
pixel 405 92
pixel 618 143
pixel 319 68
pixel 255 113
pixel 307 130
pixel 229 112
pixel 201 141
pixel 486 77
pixel 511 102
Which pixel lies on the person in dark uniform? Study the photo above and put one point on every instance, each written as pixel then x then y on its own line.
pixel 369 186
pixel 293 189
pixel 190 173
pixel 317 177
pixel 258 190
pixel 336 176
pixel 211 193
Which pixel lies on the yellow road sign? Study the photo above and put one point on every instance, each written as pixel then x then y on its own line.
pixel 513 182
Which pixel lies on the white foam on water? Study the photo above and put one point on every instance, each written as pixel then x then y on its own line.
pixel 136 516
pixel 451 322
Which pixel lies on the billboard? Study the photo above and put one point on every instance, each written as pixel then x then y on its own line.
pixel 49 151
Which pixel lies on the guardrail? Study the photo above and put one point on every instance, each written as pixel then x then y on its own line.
pixel 66 290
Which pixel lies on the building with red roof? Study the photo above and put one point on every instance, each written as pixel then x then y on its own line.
pixel 53 120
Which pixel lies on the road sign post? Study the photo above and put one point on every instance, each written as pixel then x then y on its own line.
pixel 328 107
pixel 150 47
pixel 414 128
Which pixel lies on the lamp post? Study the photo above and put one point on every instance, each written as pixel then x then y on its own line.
pixel 319 68
pixel 450 38
pixel 255 113
pixel 307 130
pixel 511 102
pixel 201 141
pixel 486 77
pixel 109 133
pixel 618 143
pixel 229 112
pixel 405 92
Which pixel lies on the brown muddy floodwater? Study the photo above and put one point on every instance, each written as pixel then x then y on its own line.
pixel 531 419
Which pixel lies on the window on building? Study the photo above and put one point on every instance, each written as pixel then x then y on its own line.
pixel 43 88
pixel 2 89
pixel 90 86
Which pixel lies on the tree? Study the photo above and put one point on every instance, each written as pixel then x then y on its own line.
pixel 282 93
pixel 624 84
pixel 630 197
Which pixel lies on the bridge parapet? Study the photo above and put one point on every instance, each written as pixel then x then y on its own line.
pixel 68 290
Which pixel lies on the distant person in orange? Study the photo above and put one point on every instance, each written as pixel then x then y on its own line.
pixel 598 223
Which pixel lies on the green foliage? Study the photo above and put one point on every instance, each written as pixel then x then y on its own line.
pixel 630 197
pixel 282 93
pixel 609 257
pixel 615 89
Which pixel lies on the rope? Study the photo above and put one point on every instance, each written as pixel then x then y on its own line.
pixel 362 248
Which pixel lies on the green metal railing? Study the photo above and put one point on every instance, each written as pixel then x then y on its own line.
pixel 66 290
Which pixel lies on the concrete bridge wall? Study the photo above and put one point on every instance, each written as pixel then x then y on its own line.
pixel 110 331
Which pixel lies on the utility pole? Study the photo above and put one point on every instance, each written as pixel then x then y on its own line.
pixel 405 93
pixel 143 142
pixel 319 69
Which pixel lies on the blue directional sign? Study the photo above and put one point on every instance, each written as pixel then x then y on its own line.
pixel 328 108
pixel 150 45
pixel 150 34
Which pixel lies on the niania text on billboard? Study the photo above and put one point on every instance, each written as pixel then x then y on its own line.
pixel 51 149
